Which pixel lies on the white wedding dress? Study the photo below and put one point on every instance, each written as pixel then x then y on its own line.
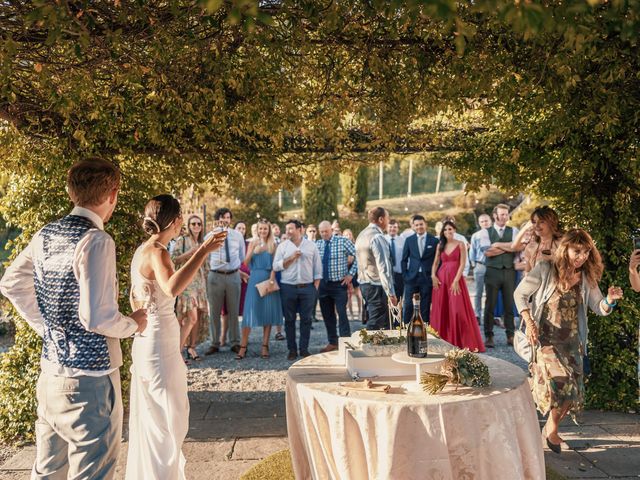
pixel 159 408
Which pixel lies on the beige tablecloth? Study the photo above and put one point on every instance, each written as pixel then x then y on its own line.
pixel 338 433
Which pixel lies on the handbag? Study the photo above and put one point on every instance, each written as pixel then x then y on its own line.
pixel 521 344
pixel 267 287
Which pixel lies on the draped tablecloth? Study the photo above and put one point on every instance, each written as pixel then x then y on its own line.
pixel 468 433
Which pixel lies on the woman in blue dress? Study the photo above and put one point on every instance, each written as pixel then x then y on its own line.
pixel 260 311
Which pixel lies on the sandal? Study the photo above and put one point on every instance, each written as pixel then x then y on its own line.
pixel 265 347
pixel 192 353
pixel 240 357
pixel 279 336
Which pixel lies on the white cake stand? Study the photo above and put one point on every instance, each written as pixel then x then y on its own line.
pixel 430 364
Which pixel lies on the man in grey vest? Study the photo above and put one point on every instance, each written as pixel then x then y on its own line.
pixel 375 273
pixel 500 273
pixel 64 285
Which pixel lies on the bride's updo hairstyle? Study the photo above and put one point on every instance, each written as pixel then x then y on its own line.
pixel 160 213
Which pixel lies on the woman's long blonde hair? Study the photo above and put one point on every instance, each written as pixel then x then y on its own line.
pixel 271 241
pixel 592 267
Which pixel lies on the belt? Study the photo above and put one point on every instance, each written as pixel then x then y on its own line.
pixel 299 285
pixel 225 272
pixel 481 263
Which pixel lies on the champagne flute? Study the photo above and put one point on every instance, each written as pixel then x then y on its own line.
pixel 220 226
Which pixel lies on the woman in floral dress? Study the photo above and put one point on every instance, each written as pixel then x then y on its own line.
pixel 191 307
pixel 556 321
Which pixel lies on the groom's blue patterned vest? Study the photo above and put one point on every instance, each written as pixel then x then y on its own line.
pixel 65 342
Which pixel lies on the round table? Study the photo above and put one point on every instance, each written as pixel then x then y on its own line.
pixel 342 433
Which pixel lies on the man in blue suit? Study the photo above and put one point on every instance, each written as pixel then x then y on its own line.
pixel 417 259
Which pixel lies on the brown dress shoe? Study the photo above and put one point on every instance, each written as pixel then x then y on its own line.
pixel 510 340
pixel 489 342
pixel 212 349
pixel 292 355
pixel 329 348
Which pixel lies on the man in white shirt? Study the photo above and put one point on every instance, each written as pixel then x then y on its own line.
pixel 396 244
pixel 64 285
pixel 500 273
pixel 299 261
pixel 224 283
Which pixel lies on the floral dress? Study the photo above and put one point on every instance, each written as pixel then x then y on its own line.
pixel 557 375
pixel 195 295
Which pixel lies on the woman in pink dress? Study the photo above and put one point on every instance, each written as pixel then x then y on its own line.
pixel 452 314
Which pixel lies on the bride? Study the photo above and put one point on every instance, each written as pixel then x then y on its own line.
pixel 158 422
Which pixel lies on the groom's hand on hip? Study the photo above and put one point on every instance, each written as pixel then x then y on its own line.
pixel 140 317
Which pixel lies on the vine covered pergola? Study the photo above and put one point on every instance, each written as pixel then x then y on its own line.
pixel 541 96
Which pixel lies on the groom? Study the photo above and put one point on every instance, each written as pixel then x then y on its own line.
pixel 64 285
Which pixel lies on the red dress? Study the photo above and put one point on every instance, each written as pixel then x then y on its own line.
pixel 452 315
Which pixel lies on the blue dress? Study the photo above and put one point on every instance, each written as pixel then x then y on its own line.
pixel 261 311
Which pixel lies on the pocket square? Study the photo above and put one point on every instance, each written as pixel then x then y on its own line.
pixel 430 246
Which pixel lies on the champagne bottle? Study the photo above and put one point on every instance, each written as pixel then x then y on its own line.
pixel 417 332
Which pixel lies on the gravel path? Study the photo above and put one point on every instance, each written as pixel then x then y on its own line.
pixel 264 378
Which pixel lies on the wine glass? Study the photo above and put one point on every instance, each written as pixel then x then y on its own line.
pixel 221 226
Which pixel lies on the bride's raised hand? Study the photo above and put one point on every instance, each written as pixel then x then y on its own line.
pixel 214 242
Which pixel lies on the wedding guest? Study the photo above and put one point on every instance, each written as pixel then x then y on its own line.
pixel 452 314
pixel 417 261
pixel 260 311
pixel 299 261
pixel 311 232
pixel 64 285
pixel 479 244
pixel 561 292
pixel 191 307
pixel 254 231
pixel 461 238
pixel 355 291
pixel 224 283
pixel 545 233
pixel 500 274
pixel 634 272
pixel 375 273
pixel 396 245
pixel 335 283
pixel 159 406
pixel 335 228
pixel 276 232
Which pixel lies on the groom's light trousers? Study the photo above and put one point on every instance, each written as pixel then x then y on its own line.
pixel 79 427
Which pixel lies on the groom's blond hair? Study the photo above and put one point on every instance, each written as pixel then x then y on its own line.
pixel 91 181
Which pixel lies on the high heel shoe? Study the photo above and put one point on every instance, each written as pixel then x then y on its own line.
pixel 192 352
pixel 556 448
pixel 239 356
pixel 265 355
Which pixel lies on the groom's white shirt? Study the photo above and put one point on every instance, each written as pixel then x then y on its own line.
pixel 98 307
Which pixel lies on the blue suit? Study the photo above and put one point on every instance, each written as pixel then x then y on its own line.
pixel 416 272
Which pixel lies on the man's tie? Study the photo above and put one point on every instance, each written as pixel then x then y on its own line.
pixel 501 232
pixel 226 249
pixel 421 245
pixel 393 252
pixel 325 260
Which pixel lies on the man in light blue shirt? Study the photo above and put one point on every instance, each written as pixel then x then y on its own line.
pixel 396 244
pixel 375 273
pixel 480 243
pixel 299 261
pixel 223 283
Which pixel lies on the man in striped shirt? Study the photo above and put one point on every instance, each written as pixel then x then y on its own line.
pixel 337 275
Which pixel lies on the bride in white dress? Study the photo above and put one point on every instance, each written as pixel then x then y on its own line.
pixel 159 418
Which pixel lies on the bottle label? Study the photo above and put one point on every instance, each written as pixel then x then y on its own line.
pixel 422 347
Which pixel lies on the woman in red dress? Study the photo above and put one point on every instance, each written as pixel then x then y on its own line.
pixel 452 314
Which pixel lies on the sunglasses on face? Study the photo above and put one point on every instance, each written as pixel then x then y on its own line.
pixel 198 224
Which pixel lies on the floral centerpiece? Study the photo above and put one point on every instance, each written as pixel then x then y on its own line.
pixel 379 344
pixel 461 367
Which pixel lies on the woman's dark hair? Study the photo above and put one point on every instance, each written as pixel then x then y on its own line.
pixel 550 217
pixel 200 238
pixel 443 239
pixel 159 213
